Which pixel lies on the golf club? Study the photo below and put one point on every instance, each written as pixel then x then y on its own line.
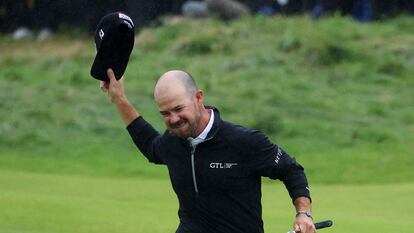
pixel 319 225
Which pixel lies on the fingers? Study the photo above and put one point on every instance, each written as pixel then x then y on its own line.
pixel 296 228
pixel 111 75
pixel 104 86
pixel 304 225
pixel 305 228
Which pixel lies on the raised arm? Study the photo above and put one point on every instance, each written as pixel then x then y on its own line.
pixel 116 94
pixel 142 133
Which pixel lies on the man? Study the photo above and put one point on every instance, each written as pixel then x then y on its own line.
pixel 215 167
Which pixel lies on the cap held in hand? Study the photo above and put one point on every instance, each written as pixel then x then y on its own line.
pixel 114 40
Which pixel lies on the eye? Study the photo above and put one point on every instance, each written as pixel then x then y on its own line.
pixel 178 108
pixel 165 114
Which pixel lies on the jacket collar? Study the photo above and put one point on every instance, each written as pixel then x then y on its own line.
pixel 216 124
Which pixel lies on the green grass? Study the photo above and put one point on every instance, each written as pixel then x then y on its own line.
pixel 334 93
pixel 53 203
pixel 77 204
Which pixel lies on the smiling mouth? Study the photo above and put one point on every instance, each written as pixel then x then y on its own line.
pixel 177 125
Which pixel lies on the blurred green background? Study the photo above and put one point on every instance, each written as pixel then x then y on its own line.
pixel 334 93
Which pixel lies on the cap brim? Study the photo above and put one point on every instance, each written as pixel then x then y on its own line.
pixel 101 65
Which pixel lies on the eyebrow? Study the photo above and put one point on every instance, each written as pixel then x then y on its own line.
pixel 173 109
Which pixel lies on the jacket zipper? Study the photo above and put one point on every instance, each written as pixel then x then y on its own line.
pixel 193 148
pixel 193 169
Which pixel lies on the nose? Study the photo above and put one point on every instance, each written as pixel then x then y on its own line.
pixel 174 118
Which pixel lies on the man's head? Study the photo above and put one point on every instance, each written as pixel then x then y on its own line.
pixel 181 104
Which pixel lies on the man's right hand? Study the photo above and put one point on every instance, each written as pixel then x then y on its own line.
pixel 114 88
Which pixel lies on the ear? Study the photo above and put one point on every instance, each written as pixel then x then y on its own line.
pixel 199 95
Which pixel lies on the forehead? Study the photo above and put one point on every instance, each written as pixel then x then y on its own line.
pixel 169 101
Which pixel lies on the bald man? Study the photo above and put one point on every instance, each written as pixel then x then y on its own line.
pixel 215 167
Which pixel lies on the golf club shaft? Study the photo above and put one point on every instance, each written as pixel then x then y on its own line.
pixel 320 225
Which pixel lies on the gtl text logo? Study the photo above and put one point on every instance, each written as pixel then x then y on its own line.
pixel 222 165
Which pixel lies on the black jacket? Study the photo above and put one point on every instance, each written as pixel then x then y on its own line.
pixel 219 185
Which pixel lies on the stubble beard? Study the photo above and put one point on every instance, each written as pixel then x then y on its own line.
pixel 191 129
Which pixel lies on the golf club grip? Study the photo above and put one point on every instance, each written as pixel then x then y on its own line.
pixel 320 225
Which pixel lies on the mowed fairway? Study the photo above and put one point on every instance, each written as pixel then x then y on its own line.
pixel 45 203
pixel 55 203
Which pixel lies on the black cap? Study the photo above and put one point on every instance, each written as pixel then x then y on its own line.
pixel 114 40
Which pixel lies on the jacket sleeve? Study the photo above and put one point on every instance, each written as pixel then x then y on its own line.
pixel 271 161
pixel 147 139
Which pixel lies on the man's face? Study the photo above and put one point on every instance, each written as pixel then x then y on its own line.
pixel 180 112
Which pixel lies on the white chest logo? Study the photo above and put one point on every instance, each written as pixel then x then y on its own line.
pixel 222 165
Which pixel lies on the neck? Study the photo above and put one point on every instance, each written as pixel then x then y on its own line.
pixel 204 119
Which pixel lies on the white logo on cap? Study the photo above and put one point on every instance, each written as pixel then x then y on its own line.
pixel 128 24
pixel 101 34
pixel 123 16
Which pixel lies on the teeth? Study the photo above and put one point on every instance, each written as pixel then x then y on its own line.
pixel 178 125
